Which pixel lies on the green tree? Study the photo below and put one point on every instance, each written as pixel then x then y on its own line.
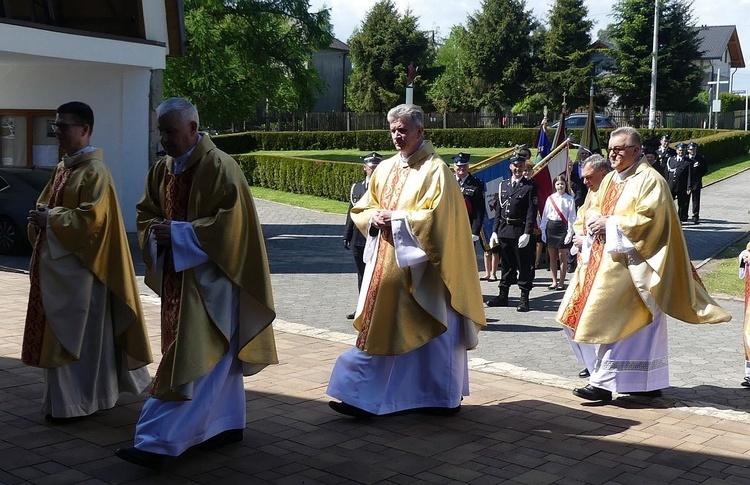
pixel 499 48
pixel 565 65
pixel 632 33
pixel 245 54
pixel 381 49
pixel 451 90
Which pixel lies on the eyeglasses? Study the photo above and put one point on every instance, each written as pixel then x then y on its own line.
pixel 619 149
pixel 62 127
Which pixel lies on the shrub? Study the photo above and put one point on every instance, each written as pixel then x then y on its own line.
pixel 300 175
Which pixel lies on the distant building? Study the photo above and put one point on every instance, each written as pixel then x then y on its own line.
pixel 722 54
pixel 334 66
pixel 109 55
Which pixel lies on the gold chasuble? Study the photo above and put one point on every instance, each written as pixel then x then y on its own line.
pixel 400 312
pixel 212 194
pixel 746 322
pixel 615 294
pixel 84 215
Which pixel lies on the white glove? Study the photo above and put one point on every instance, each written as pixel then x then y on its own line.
pixel 745 257
pixel 494 240
pixel 544 237
pixel 568 238
pixel 523 241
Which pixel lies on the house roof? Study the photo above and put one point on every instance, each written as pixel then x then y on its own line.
pixel 716 39
pixel 337 45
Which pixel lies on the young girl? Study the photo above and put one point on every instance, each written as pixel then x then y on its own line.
pixel 557 230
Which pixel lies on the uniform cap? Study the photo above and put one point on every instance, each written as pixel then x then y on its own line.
pixel 462 159
pixel 680 146
pixel 372 159
pixel 692 144
pixel 665 137
pixel 518 160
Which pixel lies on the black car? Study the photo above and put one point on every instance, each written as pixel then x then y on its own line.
pixel 19 191
pixel 578 120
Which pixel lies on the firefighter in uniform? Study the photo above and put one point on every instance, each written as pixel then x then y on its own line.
pixel 473 191
pixel 663 154
pixel 514 232
pixel 698 168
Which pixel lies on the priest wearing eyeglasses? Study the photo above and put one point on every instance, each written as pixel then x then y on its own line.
pixel 638 272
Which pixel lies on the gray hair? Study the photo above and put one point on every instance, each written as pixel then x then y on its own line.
pixel 187 111
pixel 632 133
pixel 411 112
pixel 597 162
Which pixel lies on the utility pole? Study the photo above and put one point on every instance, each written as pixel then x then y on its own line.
pixel 654 55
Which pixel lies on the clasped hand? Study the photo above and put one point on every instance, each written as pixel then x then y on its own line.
pixel 38 217
pixel 162 233
pixel 382 219
pixel 596 225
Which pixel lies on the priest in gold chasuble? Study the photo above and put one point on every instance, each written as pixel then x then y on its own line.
pixel 205 255
pixel 420 306
pixel 744 273
pixel 638 272
pixel 84 324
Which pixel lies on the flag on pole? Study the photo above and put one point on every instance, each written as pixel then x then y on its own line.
pixel 492 171
pixel 542 145
pixel 560 134
pixel 548 169
pixel 590 137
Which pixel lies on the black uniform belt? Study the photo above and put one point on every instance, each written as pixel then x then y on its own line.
pixel 512 221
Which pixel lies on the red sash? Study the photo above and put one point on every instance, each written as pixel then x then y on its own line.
pixel 557 209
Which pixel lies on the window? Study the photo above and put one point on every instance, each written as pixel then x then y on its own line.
pixel 26 138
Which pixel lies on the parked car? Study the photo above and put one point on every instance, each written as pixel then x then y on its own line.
pixel 578 120
pixel 19 190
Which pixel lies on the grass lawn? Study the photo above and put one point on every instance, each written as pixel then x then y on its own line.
pixel 299 200
pixel 718 171
pixel 720 275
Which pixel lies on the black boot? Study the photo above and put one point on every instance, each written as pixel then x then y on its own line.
pixel 523 304
pixel 501 299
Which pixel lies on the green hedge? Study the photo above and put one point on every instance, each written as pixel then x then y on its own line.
pixel 300 175
pixel 368 140
pixel 721 146
pixel 334 179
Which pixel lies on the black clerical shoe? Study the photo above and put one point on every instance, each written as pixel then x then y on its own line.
pixel 350 316
pixel 150 460
pixel 592 393
pixel 584 374
pixel 222 439
pixel 746 382
pixel 435 411
pixel 650 394
pixel 349 410
pixel 53 420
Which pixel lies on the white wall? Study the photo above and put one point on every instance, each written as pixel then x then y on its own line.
pixel 119 97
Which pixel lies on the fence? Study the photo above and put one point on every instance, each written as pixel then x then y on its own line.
pixel 348 121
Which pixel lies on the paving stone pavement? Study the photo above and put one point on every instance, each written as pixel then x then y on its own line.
pixel 520 425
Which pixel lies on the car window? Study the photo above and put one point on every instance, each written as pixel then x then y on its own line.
pixel 576 122
pixel 35 178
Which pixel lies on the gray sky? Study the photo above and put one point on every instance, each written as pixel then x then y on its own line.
pixel 441 15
